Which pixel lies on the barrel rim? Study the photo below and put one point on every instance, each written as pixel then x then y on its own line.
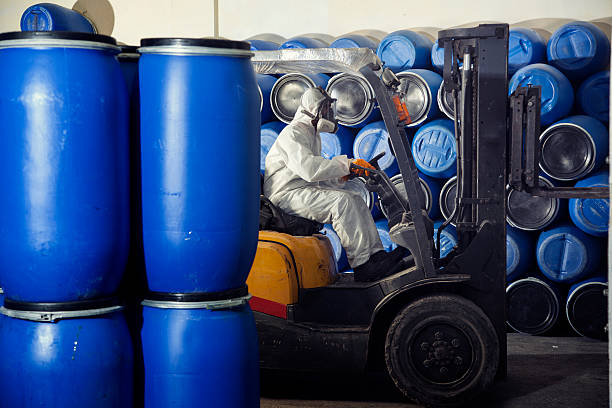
pixel 54 316
pixel 220 43
pixel 367 111
pixel 275 89
pixel 549 323
pixel 57 35
pixel 422 84
pixel 443 192
pixel 554 213
pixel 89 304
pixel 570 300
pixel 208 305
pixel 582 171
pixel 197 296
pixel 443 105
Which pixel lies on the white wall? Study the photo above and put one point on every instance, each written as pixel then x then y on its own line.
pixel 239 19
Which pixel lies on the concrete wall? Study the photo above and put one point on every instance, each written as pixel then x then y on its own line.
pixel 239 19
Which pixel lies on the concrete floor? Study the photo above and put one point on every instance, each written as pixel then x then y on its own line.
pixel 543 372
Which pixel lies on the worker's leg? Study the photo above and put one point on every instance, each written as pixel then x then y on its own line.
pixel 345 211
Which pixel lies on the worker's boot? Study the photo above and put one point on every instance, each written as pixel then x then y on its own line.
pixel 380 265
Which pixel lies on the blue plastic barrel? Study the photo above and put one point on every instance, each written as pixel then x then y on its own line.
pixel 434 149
pixel 286 94
pixel 355 100
pixel 51 17
pixel 1 296
pixel 199 231
pixel 336 144
pixel 354 41
pixel 592 215
pixel 303 42
pixel 263 45
pixel 372 140
pixel 196 353
pixel 437 57
pixel 430 193
pixel 448 239
pixel 421 88
pixel 339 252
pixel 525 47
pixel 265 84
pixel 573 147
pixel 593 96
pixel 587 308
pixel 268 134
pixel 405 49
pixel 579 49
pixel 82 359
pixel 519 253
pixel 65 162
pixel 529 212
pixel 383 233
pixel 566 254
pixel 557 91
pixel 532 305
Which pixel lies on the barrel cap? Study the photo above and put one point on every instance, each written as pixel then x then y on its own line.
pixel 195 42
pixel 434 149
pixel 354 98
pixel 531 213
pixel 532 306
pixel 57 35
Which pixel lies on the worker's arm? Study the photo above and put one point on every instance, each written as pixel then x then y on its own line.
pixel 309 166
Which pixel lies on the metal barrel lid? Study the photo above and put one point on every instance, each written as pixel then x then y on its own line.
pixel 587 309
pixel 448 195
pixel 567 151
pixel 532 306
pixel 398 182
pixel 52 312
pixel 354 98
pixel 418 97
pixel 531 213
pixel 286 95
pixel 201 300
pixel 446 102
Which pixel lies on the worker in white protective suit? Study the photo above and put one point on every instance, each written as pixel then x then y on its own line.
pixel 303 183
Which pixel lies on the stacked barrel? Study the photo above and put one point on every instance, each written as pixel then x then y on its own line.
pixel 65 221
pixel 551 243
pixel 200 199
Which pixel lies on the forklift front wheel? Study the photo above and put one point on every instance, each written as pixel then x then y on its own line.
pixel 442 350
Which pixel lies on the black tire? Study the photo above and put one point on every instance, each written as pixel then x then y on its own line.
pixel 442 350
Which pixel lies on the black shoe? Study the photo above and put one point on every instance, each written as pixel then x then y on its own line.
pixel 380 265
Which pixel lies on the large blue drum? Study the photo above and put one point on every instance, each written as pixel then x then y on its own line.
pixel 337 144
pixel 519 253
pixel 525 46
pixel 64 161
pixel 265 84
pixel 268 134
pixel 435 150
pixel 65 358
pixel 405 49
pixel 200 353
pixel 372 140
pixel 593 96
pixel 354 41
pixel 199 128
pixel 592 215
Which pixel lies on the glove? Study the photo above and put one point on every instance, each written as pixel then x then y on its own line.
pixel 360 172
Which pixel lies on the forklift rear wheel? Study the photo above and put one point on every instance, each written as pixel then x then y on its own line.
pixel 442 350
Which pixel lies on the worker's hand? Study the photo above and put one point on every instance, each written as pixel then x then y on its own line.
pixel 360 172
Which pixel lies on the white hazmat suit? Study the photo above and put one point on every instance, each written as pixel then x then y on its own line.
pixel 301 182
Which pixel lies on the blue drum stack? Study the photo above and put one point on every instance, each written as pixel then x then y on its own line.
pixel 66 220
pixel 200 120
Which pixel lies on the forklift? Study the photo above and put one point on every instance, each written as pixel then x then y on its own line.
pixel 437 327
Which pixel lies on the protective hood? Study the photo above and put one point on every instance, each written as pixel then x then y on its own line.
pixel 310 108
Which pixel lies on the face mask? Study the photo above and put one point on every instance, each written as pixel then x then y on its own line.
pixel 327 126
pixel 327 119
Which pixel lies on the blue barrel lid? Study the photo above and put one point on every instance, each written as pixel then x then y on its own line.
pixel 579 49
pixel 557 91
pixel 448 239
pixel 405 49
pixel 52 17
pixel 302 42
pixel 525 46
pixel 263 45
pixel 593 97
pixel 336 144
pixel 383 233
pixel 434 149
pixel 591 215
pixel 354 41
pixel 566 254
pixel 268 134
pixel 372 140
